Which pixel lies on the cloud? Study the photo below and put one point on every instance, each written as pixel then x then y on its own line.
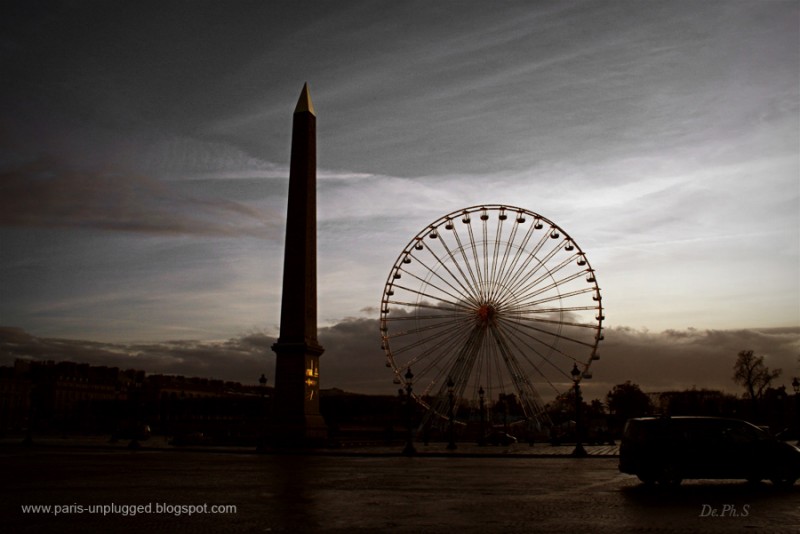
pixel 681 359
pixel 45 194
pixel 242 359
pixel 353 360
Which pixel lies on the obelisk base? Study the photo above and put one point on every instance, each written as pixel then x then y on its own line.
pixel 310 432
pixel 297 422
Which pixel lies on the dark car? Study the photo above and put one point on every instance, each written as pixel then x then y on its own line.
pixel 670 449
pixel 501 438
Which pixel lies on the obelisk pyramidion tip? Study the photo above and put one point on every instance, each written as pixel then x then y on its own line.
pixel 304 103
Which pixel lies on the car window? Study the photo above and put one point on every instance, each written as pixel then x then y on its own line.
pixel 702 431
pixel 737 432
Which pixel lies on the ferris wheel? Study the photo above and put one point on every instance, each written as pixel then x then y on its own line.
pixel 490 305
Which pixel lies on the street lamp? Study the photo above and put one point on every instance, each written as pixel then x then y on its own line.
pixel 409 449
pixel 482 436
pixel 796 388
pixel 263 418
pixel 136 396
pixel 263 382
pixel 579 451
pixel 450 387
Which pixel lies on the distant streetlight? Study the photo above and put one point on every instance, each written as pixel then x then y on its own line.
pixel 579 451
pixel 263 382
pixel 796 388
pixel 482 436
pixel 450 389
pixel 409 449
pixel 136 396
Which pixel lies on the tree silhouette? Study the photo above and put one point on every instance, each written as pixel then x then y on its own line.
pixel 628 400
pixel 750 372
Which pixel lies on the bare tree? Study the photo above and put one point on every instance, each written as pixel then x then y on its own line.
pixel 750 372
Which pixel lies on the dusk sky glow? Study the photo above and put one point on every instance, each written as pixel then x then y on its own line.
pixel 144 151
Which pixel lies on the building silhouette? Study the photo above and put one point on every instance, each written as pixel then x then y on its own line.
pixel 47 398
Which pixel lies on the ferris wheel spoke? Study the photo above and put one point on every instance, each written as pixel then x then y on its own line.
pixel 475 257
pixel 563 296
pixel 550 274
pixel 528 395
pixel 479 371
pixel 539 373
pixel 531 349
pixel 552 285
pixel 423 334
pixel 528 311
pixel 435 362
pixel 463 363
pixel 522 286
pixel 498 240
pixel 459 296
pixel 444 349
pixel 485 248
pixel 494 372
pixel 467 359
pixel 526 340
pixel 530 329
pixel 474 276
pixel 439 329
pixel 522 273
pixel 499 274
pixel 590 326
pixel 510 272
pixel 466 291
pixel 487 358
pixel 435 317
pixel 471 289
pixel 458 372
pixel 454 306
pixel 435 329
pixel 553 270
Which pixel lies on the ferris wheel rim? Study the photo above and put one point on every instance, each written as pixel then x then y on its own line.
pixel 464 215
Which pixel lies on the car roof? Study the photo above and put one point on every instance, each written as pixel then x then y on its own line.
pixel 687 417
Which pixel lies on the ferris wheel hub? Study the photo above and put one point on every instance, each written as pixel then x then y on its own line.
pixel 486 314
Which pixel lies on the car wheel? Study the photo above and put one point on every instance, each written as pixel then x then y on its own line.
pixel 670 476
pixel 783 481
pixel 647 480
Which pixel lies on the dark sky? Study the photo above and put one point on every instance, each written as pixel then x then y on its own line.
pixel 144 150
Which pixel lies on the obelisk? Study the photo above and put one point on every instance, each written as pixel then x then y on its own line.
pixel 296 415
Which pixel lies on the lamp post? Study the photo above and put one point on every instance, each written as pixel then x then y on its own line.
pixel 451 445
pixel 579 451
pixel 409 449
pixel 32 400
pixel 263 418
pixel 796 388
pixel 136 394
pixel 263 382
pixel 482 436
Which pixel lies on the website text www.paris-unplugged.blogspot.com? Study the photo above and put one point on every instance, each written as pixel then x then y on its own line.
pixel 129 509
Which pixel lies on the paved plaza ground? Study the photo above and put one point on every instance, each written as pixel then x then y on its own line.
pixel 511 491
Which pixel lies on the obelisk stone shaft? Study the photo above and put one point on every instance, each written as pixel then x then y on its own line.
pixel 296 408
pixel 299 300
